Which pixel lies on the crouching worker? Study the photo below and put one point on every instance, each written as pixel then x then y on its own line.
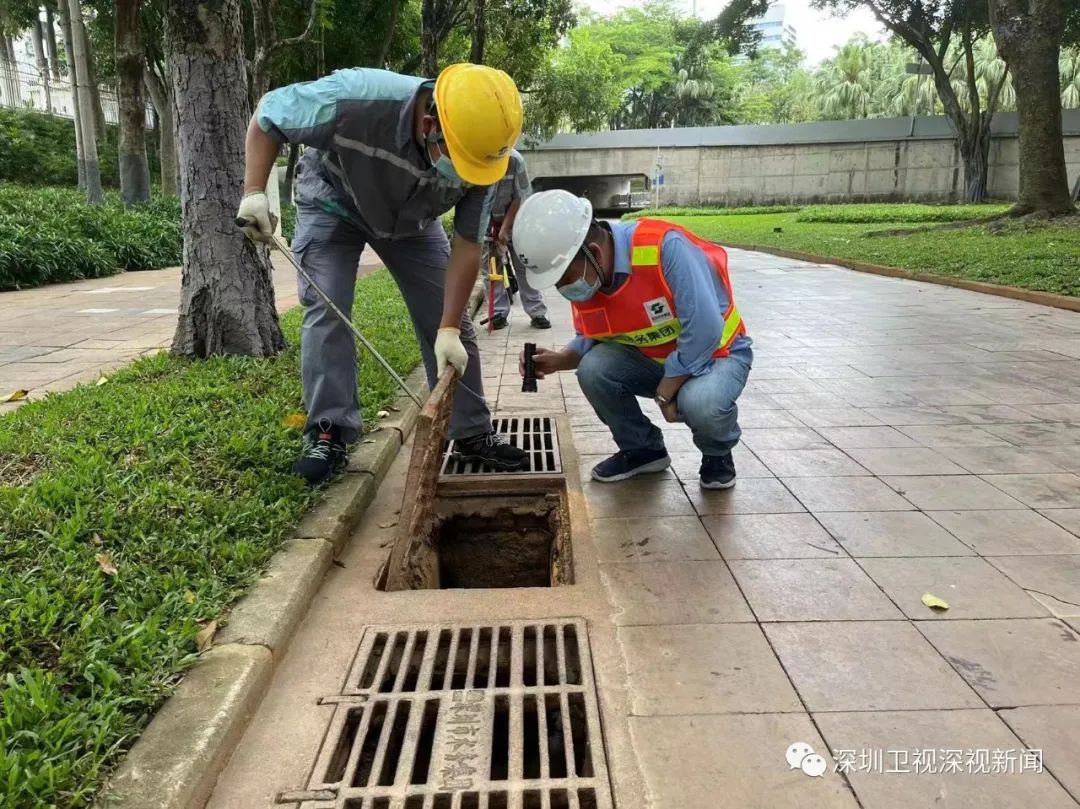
pixel 655 316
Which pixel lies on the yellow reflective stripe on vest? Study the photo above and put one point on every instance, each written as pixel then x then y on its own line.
pixel 731 325
pixel 649 336
pixel 645 255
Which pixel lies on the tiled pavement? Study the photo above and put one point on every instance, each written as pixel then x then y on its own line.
pixel 54 337
pixel 899 438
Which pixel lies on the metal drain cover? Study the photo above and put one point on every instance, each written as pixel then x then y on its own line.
pixel 464 717
pixel 536 435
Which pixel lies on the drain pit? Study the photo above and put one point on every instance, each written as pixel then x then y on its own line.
pixel 508 549
pixel 491 542
pixel 464 717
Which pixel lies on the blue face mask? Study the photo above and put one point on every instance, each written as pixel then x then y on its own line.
pixel 443 165
pixel 581 290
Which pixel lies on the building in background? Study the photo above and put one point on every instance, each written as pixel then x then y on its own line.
pixel 775 30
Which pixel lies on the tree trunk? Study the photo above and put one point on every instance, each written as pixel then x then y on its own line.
pixel 479 33
pixel 263 31
pixel 1028 37
pixel 80 73
pixel 127 46
pixel 69 52
pixel 37 35
pixel 391 29
pixel 50 41
pixel 1076 190
pixel 290 175
pixel 429 43
pixel 101 134
pixel 227 297
pixel 166 123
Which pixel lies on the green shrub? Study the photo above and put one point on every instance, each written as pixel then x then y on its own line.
pixel 39 149
pixel 873 214
pixel 448 224
pixel 49 235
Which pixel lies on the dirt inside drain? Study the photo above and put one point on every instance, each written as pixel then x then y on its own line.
pixel 497 541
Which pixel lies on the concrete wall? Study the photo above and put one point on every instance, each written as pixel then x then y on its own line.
pixel 738 172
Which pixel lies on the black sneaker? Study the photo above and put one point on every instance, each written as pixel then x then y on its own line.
pixel 491 449
pixel 623 465
pixel 717 471
pixel 541 322
pixel 499 322
pixel 323 454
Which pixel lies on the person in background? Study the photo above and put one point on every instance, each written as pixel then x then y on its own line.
pixel 510 192
pixel 655 316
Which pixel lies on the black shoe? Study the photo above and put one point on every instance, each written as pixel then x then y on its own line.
pixel 717 471
pixel 541 322
pixel 323 454
pixel 623 465
pixel 499 322
pixel 491 449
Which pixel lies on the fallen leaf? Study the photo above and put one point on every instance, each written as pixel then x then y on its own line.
pixel 205 639
pixel 101 381
pixel 95 539
pixel 294 421
pixel 382 414
pixel 368 441
pixel 934 603
pixel 14 396
pixel 189 597
pixel 106 564
pixel 388 524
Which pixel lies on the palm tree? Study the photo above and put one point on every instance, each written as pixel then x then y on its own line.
pixel 844 84
pixel 990 69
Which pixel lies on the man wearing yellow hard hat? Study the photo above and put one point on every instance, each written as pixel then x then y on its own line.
pixel 388 155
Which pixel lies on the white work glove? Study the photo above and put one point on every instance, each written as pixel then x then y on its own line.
pixel 255 207
pixel 450 351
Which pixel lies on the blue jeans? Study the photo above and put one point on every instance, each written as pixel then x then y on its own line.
pixel 611 375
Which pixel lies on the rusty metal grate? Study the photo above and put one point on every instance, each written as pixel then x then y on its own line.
pixel 464 717
pixel 536 435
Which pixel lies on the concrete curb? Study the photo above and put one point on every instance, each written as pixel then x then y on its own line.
pixel 1027 295
pixel 176 761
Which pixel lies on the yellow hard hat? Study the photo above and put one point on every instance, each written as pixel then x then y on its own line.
pixel 480 114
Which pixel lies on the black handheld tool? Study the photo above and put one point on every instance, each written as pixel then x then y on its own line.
pixel 528 384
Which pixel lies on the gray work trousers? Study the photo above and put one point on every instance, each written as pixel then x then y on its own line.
pixel 329 248
pixel 531 299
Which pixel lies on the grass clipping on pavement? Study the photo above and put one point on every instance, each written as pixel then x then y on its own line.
pixel 131 514
pixel 1038 256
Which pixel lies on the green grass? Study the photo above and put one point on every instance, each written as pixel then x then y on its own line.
pixel 1038 257
pixel 668 212
pixel 177 472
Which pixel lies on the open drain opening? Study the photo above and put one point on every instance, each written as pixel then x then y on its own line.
pixel 502 541
pixel 506 549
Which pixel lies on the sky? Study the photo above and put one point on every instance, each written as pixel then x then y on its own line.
pixel 818 32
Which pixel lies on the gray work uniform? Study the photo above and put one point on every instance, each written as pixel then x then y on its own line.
pixel 366 181
pixel 514 186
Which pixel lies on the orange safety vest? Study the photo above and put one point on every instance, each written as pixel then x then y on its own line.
pixel 641 313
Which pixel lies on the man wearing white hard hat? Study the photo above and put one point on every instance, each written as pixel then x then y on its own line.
pixel 655 316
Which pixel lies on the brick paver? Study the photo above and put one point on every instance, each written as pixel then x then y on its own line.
pixel 900 438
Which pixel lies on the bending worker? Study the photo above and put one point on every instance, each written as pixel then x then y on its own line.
pixel 390 154
pixel 510 192
pixel 655 316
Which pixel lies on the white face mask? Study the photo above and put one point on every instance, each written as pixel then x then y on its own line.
pixel 444 165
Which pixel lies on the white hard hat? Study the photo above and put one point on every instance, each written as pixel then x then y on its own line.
pixel 549 230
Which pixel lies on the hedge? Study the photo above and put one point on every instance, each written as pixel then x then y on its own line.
pixel 39 149
pixel 48 235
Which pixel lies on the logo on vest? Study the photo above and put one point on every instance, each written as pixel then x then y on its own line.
pixel 658 311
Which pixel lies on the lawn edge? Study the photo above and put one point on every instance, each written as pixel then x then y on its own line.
pixel 1053 299
pixel 176 761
